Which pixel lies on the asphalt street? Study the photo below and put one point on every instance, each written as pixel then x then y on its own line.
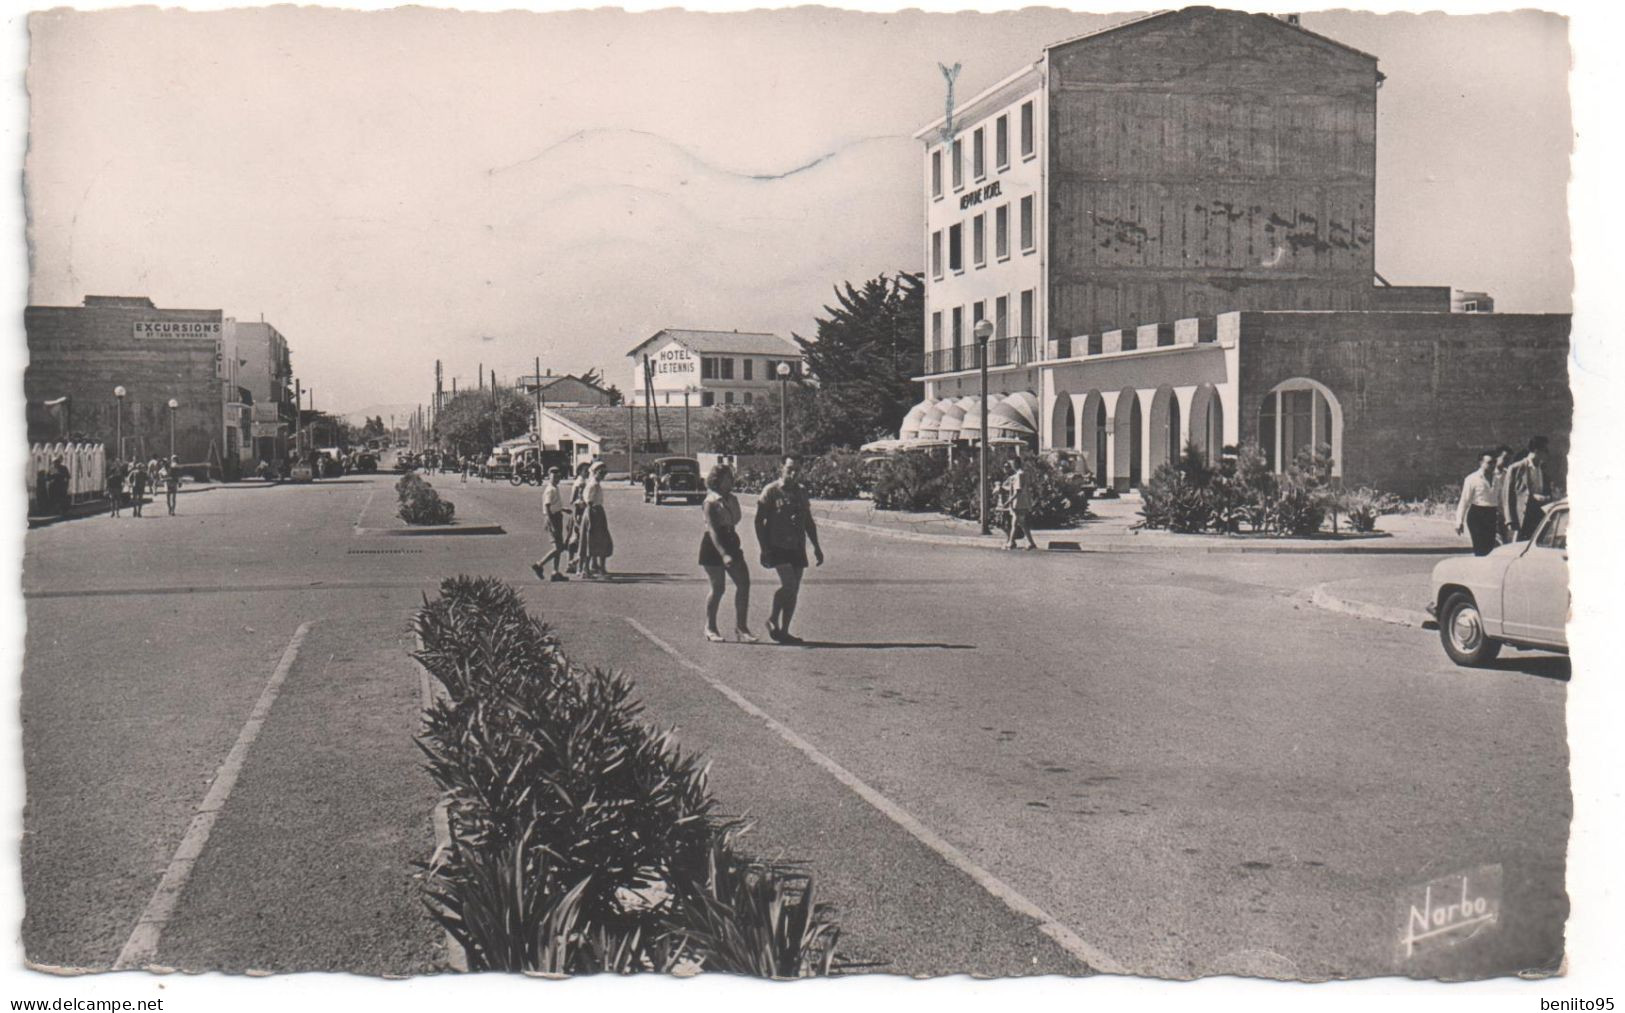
pixel 994 763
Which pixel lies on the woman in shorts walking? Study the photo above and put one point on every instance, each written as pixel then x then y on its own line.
pixel 784 526
pixel 722 556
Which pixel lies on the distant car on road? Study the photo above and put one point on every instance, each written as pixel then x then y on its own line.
pixel 1518 595
pixel 674 478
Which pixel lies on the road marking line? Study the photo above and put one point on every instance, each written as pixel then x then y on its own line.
pixel 362 514
pixel 1047 923
pixel 142 946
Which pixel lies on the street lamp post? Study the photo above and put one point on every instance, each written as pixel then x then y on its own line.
pixel 982 332
pixel 118 402
pixel 783 369
pixel 173 404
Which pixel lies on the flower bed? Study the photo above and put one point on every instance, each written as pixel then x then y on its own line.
pixel 1195 496
pixel 583 840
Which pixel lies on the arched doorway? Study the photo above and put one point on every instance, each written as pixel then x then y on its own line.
pixel 1298 415
pixel 1165 428
pixel 1063 422
pixel 1092 436
pixel 1127 441
pixel 1207 422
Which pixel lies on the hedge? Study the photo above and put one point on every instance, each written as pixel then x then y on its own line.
pixel 581 838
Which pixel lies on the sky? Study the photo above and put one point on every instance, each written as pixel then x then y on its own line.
pixel 393 187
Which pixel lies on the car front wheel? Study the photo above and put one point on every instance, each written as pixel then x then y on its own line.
pixel 1461 630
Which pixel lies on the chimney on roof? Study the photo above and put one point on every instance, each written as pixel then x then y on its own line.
pixel 1291 19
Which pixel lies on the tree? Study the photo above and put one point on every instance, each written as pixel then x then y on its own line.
pixel 373 428
pixel 480 419
pixel 615 395
pixel 866 351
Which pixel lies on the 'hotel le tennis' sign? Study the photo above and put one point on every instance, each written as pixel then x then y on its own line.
pixel 177 329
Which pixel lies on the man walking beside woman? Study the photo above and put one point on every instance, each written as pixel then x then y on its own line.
pixel 784 525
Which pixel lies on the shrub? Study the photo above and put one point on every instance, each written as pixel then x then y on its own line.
pixel 838 474
pixel 582 839
pixel 1364 505
pixel 908 482
pixel 420 504
pixel 1304 495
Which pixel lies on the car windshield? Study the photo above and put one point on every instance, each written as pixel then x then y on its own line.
pixel 686 466
pixel 1555 533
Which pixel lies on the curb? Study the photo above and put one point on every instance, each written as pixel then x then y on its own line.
pixel 1322 598
pixel 1149 546
pixel 434 529
pixel 456 956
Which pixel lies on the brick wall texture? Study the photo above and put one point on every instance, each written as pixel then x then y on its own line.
pixel 1208 161
pixel 1421 393
pixel 85 351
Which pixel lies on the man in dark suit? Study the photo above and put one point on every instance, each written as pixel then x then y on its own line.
pixel 1527 491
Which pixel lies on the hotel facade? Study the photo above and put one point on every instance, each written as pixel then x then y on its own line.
pixel 1170 225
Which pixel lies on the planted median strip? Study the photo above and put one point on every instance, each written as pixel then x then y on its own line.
pixel 582 839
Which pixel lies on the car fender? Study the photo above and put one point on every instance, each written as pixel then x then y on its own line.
pixel 1480 576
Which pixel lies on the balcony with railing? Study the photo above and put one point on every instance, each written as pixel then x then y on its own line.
pixel 1017 351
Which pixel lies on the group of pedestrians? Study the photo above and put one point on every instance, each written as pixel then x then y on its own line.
pixel 1504 499
pixel 131 480
pixel 579 529
pixel 784 527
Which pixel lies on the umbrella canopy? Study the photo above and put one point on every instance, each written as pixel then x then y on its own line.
pixel 952 417
pixel 911 422
pixel 1016 415
pixel 970 428
pixel 931 424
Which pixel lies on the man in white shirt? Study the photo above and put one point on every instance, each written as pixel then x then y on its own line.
pixel 553 510
pixel 1480 509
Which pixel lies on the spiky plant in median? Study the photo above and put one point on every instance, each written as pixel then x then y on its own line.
pixel 564 805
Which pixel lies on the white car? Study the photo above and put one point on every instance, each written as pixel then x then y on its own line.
pixel 1518 595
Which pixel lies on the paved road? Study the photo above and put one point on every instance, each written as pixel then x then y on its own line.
pixel 1170 765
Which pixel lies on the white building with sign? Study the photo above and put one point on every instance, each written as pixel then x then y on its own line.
pixel 711 367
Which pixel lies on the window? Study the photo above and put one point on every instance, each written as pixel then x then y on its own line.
pixel 1027 148
pixel 956 261
pixel 978 313
pixel 747 397
pixel 978 153
pixel 707 399
pixel 1297 416
pixel 1555 533
pixel 727 397
pixel 727 371
pixel 1001 143
pixel 1028 239
pixel 978 240
pixel 1001 317
pixel 1029 326
pixel 748 364
pixel 936 330
pixel 957 157
pixel 959 326
pixel 936 173
pixel 1001 231
pixel 770 369
pixel 708 368
pixel 936 254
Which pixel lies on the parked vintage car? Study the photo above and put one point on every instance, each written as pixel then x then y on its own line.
pixel 674 478
pixel 1517 595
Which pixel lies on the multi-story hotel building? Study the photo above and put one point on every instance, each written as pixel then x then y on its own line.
pixel 1170 225
pixel 708 367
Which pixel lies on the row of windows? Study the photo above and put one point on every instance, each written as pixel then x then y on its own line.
pixel 707 398
pixel 978 150
pixel 721 367
pixel 978 238
pixel 1025 325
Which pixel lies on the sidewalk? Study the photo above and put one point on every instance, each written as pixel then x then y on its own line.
pixel 99 505
pixel 1110 528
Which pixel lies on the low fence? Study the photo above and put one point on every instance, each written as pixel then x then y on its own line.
pixel 86 464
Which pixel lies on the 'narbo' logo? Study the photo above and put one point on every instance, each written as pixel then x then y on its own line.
pixel 1452 909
